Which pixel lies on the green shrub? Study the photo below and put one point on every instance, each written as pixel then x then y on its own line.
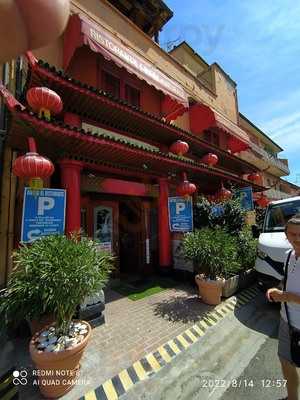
pixel 53 276
pixel 213 251
pixel 232 219
pixel 202 213
pixel 247 247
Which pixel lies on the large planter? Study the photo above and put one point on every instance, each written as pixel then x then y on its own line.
pixel 238 282
pixel 230 286
pixel 210 291
pixel 57 372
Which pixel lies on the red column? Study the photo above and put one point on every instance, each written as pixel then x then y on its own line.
pixel 164 235
pixel 70 180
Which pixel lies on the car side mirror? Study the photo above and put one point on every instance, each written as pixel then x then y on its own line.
pixel 255 231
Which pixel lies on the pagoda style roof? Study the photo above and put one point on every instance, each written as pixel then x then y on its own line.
pixel 101 107
pixel 57 140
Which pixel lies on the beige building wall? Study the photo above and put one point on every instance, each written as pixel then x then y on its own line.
pixel 226 94
pixel 183 122
pixel 52 53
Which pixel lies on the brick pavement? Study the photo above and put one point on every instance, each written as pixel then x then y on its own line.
pixel 134 328
pixel 131 330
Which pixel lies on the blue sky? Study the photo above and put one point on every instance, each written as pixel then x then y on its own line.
pixel 258 45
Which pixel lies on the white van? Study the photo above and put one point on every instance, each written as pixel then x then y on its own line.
pixel 272 242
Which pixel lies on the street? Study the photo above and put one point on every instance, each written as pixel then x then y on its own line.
pixel 236 358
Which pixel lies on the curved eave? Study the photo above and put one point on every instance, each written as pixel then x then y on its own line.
pixel 97 105
pixel 59 139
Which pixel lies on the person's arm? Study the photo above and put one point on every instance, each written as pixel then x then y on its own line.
pixel 280 296
pixel 292 297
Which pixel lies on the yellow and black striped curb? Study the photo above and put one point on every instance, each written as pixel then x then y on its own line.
pixel 142 369
pixel 8 391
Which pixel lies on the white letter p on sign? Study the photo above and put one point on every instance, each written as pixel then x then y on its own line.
pixel 44 204
pixel 179 207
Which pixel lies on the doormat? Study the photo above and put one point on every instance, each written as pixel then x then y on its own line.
pixel 142 288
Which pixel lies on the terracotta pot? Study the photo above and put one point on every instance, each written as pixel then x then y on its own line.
pixel 209 291
pixel 57 372
pixel 37 325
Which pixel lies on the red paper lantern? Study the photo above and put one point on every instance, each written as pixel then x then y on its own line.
pixel 254 177
pixel 210 159
pixel 223 194
pixel 179 147
pixel 185 188
pixel 34 167
pixel 262 201
pixel 44 101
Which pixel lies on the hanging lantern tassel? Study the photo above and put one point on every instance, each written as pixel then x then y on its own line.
pixel 32 166
pixel 186 189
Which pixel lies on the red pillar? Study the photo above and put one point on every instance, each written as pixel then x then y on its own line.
pixel 70 180
pixel 164 234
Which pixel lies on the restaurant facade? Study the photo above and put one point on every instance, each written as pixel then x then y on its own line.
pixel 132 125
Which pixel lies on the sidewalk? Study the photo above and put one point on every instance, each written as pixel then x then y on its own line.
pixel 132 329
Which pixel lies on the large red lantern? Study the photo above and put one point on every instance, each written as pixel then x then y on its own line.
pixel 223 194
pixel 254 177
pixel 210 159
pixel 262 201
pixel 44 101
pixel 34 167
pixel 185 188
pixel 179 147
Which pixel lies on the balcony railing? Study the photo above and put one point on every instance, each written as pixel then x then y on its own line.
pixel 269 157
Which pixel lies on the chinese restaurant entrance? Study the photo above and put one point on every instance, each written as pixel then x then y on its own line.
pixel 125 226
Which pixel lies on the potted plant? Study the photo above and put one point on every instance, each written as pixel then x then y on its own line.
pixel 55 274
pixel 212 251
pixel 247 248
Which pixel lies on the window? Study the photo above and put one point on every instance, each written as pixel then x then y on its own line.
pixel 212 137
pixel 111 84
pixel 278 215
pixel 132 95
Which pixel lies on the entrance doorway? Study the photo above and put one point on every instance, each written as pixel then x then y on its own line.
pixel 131 236
pixel 125 226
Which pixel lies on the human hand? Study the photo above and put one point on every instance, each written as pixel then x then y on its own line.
pixel 276 295
pixel 30 24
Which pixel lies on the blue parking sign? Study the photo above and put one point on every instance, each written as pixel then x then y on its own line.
pixel 180 214
pixel 246 196
pixel 43 213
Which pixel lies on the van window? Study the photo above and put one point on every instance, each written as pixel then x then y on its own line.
pixel 278 215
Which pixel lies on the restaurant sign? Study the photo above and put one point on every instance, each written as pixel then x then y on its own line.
pixel 43 213
pixel 82 30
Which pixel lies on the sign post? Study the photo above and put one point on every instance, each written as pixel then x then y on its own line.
pixel 180 214
pixel 43 213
